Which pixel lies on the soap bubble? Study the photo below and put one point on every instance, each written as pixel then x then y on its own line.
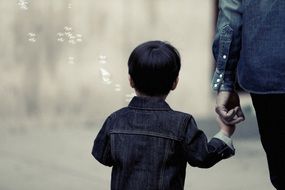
pixel 117 87
pixel 79 37
pixel 131 95
pixel 60 39
pixel 71 60
pixel 32 37
pixel 72 41
pixel 31 34
pixel 23 4
pixel 69 36
pixel 102 59
pixel 106 76
pixel 32 40
pixel 67 28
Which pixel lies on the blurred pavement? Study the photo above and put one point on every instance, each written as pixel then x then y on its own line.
pixel 44 158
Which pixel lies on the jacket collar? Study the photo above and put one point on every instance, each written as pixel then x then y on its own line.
pixel 149 103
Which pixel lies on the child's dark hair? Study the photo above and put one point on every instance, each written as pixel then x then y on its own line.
pixel 154 67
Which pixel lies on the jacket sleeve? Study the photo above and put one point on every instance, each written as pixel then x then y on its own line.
pixel 102 145
pixel 227 44
pixel 201 153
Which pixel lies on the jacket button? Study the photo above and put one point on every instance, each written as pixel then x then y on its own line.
pixel 224 57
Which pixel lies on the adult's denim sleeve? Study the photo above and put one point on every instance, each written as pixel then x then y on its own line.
pixel 227 44
pixel 102 146
pixel 201 153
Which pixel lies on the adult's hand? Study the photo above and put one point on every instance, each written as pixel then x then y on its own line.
pixel 228 107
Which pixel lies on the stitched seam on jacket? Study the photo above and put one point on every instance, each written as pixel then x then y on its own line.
pixel 161 178
pixel 146 133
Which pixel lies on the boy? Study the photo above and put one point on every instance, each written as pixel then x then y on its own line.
pixel 149 144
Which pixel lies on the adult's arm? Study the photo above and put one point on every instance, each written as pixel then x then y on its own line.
pixel 227 44
pixel 226 51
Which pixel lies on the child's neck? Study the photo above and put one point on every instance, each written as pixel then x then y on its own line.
pixel 144 95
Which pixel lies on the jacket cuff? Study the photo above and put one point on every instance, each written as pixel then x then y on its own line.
pixel 227 140
pixel 223 81
pixel 222 149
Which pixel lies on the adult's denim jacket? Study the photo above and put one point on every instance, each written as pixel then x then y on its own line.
pixel 250 45
pixel 148 145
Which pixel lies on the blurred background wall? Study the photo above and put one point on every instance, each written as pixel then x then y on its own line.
pixel 67 59
pixel 63 70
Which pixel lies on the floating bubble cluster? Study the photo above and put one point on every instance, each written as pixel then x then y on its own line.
pixel 68 36
pixel 32 37
pixel 106 77
pixel 23 4
pixel 105 74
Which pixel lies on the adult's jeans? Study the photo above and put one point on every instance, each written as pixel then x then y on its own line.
pixel 270 113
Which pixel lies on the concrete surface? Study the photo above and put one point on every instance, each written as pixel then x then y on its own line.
pixel 57 158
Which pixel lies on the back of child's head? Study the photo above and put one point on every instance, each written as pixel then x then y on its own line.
pixel 154 67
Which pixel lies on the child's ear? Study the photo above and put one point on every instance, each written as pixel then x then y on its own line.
pixel 174 85
pixel 132 84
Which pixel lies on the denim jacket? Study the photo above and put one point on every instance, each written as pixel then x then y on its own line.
pixel 249 45
pixel 148 145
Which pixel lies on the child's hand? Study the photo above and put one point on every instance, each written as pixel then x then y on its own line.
pixel 228 130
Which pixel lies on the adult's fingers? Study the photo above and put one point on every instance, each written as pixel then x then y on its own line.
pixel 236 120
pixel 225 114
pixel 239 113
pixel 239 116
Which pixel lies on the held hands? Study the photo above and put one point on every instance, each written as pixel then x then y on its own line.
pixel 228 108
